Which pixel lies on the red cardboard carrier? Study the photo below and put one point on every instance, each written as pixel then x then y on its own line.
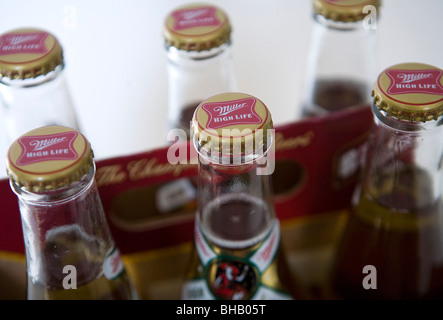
pixel 150 205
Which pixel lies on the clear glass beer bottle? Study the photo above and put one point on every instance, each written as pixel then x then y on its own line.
pixel 70 252
pixel 341 57
pixel 392 246
pixel 238 252
pixel 199 59
pixel 33 86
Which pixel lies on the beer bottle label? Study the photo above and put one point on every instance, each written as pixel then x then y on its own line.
pixel 229 277
pixel 174 195
pixel 113 265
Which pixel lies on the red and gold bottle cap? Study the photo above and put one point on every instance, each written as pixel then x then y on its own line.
pixel 197 27
pixel 231 124
pixel 48 158
pixel 344 10
pixel 410 91
pixel 28 53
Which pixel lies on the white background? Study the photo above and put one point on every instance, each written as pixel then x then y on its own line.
pixel 116 63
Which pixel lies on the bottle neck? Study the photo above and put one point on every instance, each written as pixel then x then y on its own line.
pixel 36 102
pixel 235 202
pixel 338 25
pixel 341 66
pixel 62 195
pixel 194 76
pixel 403 163
pixel 64 228
pixel 180 56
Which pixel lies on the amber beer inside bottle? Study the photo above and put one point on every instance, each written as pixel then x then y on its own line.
pixel 335 95
pixel 98 289
pixel 86 255
pixel 395 225
pixel 402 240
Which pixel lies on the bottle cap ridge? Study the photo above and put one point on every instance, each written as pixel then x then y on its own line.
pixel 343 10
pixel 48 158
pixel 197 27
pixel 410 91
pixel 28 53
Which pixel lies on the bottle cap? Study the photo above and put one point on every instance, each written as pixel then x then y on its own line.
pixel 48 158
pixel 344 10
pixel 28 53
pixel 410 91
pixel 231 125
pixel 197 27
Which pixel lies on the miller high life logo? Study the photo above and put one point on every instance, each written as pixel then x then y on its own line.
pixel 236 112
pixel 415 81
pixel 57 146
pixel 15 43
pixel 195 17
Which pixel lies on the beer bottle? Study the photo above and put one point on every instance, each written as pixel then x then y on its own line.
pixel 199 59
pixel 237 253
pixel 342 56
pixel 392 246
pixel 70 252
pixel 33 87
